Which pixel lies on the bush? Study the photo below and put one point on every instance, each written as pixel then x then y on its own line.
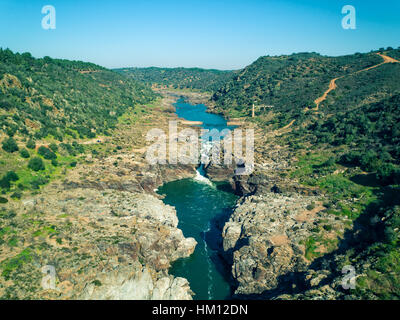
pixel 16 195
pixel 54 162
pixel 36 164
pixel 311 206
pixel 352 158
pixel 38 182
pixel 47 153
pixel 73 164
pixel 24 153
pixel 3 200
pixel 4 183
pixel 31 144
pixel 388 174
pixel 369 161
pixel 53 147
pixel 9 145
pixel 8 177
pixel 11 176
pixel 97 283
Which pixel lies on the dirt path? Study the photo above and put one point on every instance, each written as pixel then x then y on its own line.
pixel 387 59
pixel 288 125
pixel 333 86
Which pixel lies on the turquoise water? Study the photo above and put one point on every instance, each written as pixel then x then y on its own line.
pixel 198 113
pixel 202 209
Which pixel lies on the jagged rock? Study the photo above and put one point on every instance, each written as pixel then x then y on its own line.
pixel 113 244
pixel 263 237
pixel 136 283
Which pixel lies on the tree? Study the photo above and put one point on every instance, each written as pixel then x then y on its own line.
pixel 11 176
pixel 31 144
pixel 4 183
pixel 36 164
pixel 9 145
pixel 25 153
pixel 47 153
pixel 53 147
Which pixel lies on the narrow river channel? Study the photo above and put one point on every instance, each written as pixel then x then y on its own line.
pixel 202 208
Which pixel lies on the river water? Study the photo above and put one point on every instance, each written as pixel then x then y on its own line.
pixel 202 208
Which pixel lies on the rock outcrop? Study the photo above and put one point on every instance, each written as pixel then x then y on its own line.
pixel 104 244
pixel 263 238
pixel 276 229
pixel 102 228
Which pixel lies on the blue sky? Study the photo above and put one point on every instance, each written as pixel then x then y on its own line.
pixel 195 33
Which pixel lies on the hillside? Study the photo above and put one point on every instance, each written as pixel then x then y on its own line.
pixel 357 110
pixel 290 84
pixel 330 128
pixel 42 97
pixel 48 110
pixel 180 78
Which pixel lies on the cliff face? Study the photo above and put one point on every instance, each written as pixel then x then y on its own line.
pixel 103 244
pixel 265 240
pixel 137 283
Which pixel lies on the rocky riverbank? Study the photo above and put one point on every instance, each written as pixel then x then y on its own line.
pixel 277 228
pixel 109 236
pixel 103 228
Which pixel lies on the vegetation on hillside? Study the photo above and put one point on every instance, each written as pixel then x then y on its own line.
pixel 46 106
pixel 58 98
pixel 290 84
pixel 348 147
pixel 180 78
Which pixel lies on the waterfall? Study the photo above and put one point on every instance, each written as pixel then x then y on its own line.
pixel 200 176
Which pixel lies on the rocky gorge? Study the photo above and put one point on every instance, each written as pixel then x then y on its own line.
pixel 103 228
pixel 266 240
pixel 109 236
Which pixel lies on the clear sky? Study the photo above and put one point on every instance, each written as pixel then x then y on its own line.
pixel 195 33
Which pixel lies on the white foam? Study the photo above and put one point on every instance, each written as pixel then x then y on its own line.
pixel 202 179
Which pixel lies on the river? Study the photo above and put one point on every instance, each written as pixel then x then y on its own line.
pixel 202 207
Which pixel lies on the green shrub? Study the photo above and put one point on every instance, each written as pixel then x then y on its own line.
pixel 36 164
pixel 39 181
pixel 47 153
pixel 8 177
pixel 9 145
pixel 4 183
pixel 7 214
pixel 73 164
pixel 3 200
pixel 311 206
pixel 388 174
pixel 53 147
pixel 16 195
pixel 97 283
pixel 24 153
pixel 21 186
pixel 11 176
pixel 31 144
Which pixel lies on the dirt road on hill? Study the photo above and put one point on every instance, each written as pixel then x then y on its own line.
pixel 333 86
